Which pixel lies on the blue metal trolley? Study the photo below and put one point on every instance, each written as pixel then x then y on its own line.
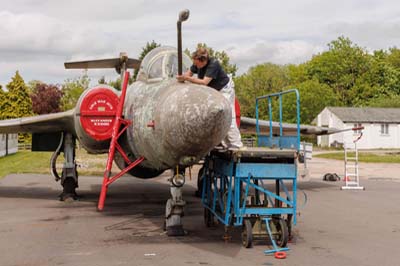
pixel 255 188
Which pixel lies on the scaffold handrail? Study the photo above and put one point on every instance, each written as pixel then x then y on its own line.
pixel 281 142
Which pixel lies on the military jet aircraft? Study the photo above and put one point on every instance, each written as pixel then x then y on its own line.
pixel 171 125
pixel 168 124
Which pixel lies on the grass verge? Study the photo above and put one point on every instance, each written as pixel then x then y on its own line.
pixel 39 163
pixel 366 157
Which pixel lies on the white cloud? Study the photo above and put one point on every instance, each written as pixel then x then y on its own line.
pixel 37 36
pixel 286 52
pixel 37 33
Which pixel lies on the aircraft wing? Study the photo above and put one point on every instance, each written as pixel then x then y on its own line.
pixel 39 124
pixel 248 125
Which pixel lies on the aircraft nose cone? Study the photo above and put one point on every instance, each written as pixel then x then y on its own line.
pixel 194 119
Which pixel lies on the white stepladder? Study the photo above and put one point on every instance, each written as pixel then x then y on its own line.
pixel 351 174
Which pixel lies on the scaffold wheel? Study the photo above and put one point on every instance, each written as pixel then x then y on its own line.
pixel 208 218
pixel 247 234
pixel 281 235
pixel 200 179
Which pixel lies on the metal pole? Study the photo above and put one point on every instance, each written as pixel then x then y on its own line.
pixel 179 26
pixel 183 16
pixel 6 144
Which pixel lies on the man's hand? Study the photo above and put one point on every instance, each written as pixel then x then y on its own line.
pixel 180 78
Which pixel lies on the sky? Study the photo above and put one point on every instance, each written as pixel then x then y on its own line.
pixel 38 36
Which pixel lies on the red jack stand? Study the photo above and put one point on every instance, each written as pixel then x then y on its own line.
pixel 116 133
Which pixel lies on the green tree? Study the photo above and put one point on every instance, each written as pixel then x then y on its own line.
pixel 345 75
pixel 297 73
pixel 339 67
pixel 2 101
pixel 380 80
pixel 393 58
pixel 259 80
pixel 72 90
pixel 386 101
pixel 314 97
pixel 116 84
pixel 17 103
pixel 32 85
pixel 2 93
pixel 102 80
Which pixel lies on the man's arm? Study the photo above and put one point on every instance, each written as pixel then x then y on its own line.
pixel 203 81
pixel 188 73
pixel 188 76
pixel 182 78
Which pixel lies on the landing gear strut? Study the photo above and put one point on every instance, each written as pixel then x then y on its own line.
pixel 175 205
pixel 69 176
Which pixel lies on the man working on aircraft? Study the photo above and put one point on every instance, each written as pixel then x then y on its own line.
pixel 210 73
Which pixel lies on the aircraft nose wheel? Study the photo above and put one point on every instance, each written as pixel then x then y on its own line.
pixel 174 209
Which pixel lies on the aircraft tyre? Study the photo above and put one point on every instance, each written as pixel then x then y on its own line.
pixel 69 186
pixel 176 230
pixel 174 212
pixel 69 177
pixel 173 222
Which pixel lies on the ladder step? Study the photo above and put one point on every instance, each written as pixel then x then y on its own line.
pixel 351 174
pixel 351 166
pixel 351 158
pixel 351 183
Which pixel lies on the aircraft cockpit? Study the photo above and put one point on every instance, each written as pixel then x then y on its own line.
pixel 162 63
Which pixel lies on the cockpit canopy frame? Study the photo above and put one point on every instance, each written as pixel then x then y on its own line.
pixel 162 63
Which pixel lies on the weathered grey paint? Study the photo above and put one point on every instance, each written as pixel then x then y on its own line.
pixel 189 120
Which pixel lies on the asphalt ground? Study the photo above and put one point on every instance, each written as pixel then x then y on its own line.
pixel 334 227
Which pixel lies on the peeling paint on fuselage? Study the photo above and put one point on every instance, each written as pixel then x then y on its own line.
pixel 173 123
pixel 189 120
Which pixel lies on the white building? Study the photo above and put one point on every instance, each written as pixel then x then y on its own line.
pixel 381 126
pixel 8 144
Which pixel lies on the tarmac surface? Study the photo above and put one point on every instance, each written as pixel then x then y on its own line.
pixel 335 227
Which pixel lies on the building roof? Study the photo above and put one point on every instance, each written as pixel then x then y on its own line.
pixel 367 114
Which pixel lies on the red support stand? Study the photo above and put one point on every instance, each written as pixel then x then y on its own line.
pixel 116 133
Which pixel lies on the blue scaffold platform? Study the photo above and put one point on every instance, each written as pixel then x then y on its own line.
pixel 255 188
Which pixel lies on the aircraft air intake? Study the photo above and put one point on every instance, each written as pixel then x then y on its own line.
pixel 94 117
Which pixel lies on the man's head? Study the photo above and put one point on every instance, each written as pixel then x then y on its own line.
pixel 200 57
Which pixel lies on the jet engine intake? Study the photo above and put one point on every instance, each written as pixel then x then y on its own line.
pixel 95 117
